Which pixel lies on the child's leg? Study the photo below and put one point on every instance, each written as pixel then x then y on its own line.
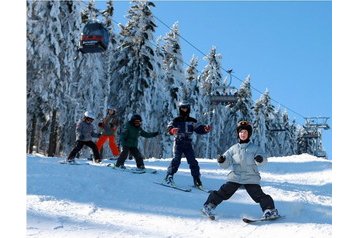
pixel 95 151
pixel 175 163
pixel 113 145
pixel 101 140
pixel 75 150
pixel 224 193
pixel 137 156
pixel 190 158
pixel 256 193
pixel 122 157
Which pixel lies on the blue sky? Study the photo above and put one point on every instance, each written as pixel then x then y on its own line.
pixel 286 47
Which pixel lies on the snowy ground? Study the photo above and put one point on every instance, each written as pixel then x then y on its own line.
pixel 93 201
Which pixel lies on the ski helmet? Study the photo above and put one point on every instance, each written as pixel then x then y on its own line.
pixel 244 125
pixel 184 104
pixel 136 117
pixel 89 114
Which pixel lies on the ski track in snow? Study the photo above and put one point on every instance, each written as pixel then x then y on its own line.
pixel 93 201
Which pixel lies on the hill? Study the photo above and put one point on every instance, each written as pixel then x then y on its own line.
pixel 94 201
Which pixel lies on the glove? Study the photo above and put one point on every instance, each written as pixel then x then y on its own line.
pixel 259 158
pixel 100 124
pixel 221 159
pixel 156 133
pixel 81 137
pixel 174 131
pixel 207 128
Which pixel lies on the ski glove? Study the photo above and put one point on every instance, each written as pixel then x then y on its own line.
pixel 100 124
pixel 221 159
pixel 259 158
pixel 156 133
pixel 174 131
pixel 207 128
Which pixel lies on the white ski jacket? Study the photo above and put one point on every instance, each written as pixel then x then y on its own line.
pixel 240 159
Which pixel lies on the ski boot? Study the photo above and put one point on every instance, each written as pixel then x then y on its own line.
pixel 169 180
pixel 197 182
pixel 208 210
pixel 270 214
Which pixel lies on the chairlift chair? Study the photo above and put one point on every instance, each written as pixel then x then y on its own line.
pixel 94 38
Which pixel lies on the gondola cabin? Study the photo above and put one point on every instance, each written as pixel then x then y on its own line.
pixel 94 38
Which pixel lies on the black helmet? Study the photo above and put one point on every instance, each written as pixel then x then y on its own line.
pixel 184 104
pixel 244 125
pixel 136 117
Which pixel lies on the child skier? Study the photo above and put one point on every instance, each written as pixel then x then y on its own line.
pixel 182 128
pixel 109 125
pixel 243 159
pixel 129 141
pixel 84 133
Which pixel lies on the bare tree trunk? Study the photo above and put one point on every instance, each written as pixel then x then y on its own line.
pixel 32 135
pixel 53 135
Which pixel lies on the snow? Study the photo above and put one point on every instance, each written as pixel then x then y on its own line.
pixel 97 201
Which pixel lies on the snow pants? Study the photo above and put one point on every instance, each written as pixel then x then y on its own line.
pixel 134 152
pixel 78 147
pixel 112 144
pixel 186 148
pixel 229 188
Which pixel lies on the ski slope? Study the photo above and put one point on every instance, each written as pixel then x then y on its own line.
pixel 96 201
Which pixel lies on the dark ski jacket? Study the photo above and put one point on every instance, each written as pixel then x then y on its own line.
pixel 187 126
pixel 129 136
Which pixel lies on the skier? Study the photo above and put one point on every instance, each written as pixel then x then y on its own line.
pixel 129 141
pixel 109 125
pixel 243 159
pixel 84 133
pixel 182 128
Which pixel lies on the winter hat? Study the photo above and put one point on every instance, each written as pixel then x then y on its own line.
pixel 244 125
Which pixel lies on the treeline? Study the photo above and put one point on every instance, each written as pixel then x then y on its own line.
pixel 139 73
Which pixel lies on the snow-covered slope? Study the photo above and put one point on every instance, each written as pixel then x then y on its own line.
pixel 93 201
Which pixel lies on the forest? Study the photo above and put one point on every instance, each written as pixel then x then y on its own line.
pixel 139 73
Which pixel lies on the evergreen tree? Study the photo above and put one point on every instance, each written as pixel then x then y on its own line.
pixel 173 80
pixel 241 110
pixel 263 111
pixel 212 84
pixel 134 68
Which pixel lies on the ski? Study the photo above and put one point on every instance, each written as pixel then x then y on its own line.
pixel 201 188
pixel 248 220
pixel 133 170
pixel 174 187
pixel 70 163
pixel 98 164
pixel 142 171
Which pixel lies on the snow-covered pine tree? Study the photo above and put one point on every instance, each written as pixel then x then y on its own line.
pixel 70 25
pixel 174 77
pixel 263 114
pixel 212 84
pixel 108 58
pixel 241 110
pixel 89 79
pixel 47 75
pixel 289 136
pixel 134 68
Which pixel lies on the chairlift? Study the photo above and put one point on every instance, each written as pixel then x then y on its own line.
pixel 94 38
